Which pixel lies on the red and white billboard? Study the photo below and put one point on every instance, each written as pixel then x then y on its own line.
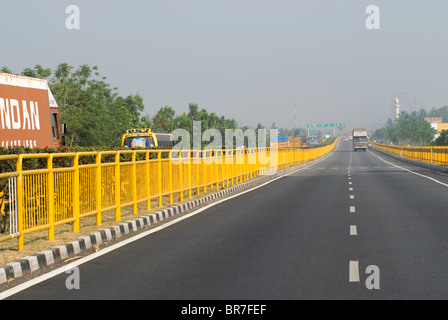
pixel 25 117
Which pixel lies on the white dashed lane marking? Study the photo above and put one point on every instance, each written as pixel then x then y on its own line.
pixel 353 271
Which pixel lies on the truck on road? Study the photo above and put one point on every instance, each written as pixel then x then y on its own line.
pixel 359 139
pixel 29 114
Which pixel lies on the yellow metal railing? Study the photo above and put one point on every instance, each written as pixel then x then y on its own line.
pixel 435 155
pixel 49 197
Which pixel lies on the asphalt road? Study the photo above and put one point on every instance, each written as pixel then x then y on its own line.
pixel 353 226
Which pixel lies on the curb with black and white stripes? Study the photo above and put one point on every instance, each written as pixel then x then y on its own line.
pixel 46 258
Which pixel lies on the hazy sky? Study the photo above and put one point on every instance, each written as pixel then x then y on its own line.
pixel 248 60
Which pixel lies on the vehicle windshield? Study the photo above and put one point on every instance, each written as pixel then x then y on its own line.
pixel 141 141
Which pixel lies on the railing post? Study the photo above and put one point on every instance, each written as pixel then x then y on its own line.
pixel 117 187
pixel 20 201
pixel 257 162
pixel 445 161
pixel 50 193
pixel 226 167
pixel 198 173
pixel 212 169
pixel 222 169
pixel 237 166
pixel 218 175
pixel 170 176
pixel 432 154
pixel 189 174
pixel 98 188
pixel 181 176
pixel 243 167
pixel 159 176
pixel 148 181
pixel 134 182
pixel 233 167
pixel 75 193
pixel 203 167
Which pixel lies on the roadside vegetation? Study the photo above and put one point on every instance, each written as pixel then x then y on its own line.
pixel 442 139
pixel 95 114
pixel 409 130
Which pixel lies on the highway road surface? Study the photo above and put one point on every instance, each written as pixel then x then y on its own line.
pixel 356 225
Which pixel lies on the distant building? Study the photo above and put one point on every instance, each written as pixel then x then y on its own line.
pixel 440 127
pixel 434 119
pixel 437 123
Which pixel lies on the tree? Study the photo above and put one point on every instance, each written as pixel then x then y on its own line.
pixel 5 70
pixel 164 119
pixel 192 111
pixel 37 72
pixel 409 129
pixel 94 113
pixel 442 139
pixel 146 122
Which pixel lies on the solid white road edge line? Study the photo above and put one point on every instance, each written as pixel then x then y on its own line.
pixel 410 171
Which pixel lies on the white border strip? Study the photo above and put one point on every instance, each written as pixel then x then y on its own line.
pixel 22 81
pixel 353 271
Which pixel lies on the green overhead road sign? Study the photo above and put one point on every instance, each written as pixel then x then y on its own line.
pixel 326 125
